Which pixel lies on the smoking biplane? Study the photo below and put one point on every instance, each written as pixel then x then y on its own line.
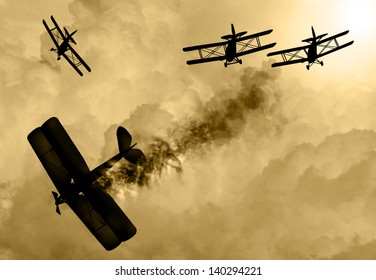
pixel 234 46
pixel 63 47
pixel 317 48
pixel 78 186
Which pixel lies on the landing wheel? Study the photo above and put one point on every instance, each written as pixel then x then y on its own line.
pixel 240 61
pixel 225 64
pixel 322 63
pixel 307 67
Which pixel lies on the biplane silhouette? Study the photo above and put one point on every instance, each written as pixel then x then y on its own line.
pixel 234 46
pixel 78 187
pixel 317 48
pixel 63 47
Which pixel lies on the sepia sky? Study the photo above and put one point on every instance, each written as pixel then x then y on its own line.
pixel 258 162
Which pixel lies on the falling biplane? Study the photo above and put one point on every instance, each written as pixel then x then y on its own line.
pixel 317 48
pixel 78 186
pixel 63 47
pixel 234 46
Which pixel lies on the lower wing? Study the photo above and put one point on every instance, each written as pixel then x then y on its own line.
pixel 255 49
pixel 75 60
pixel 277 64
pixel 203 60
pixel 327 48
pixel 291 56
pixel 208 52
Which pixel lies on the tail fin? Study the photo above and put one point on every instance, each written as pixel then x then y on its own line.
pixel 233 34
pixel 126 151
pixel 314 37
pixel 233 30
pixel 135 156
pixel 124 139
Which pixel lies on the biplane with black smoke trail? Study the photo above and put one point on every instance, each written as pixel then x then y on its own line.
pixel 78 187
pixel 311 53
pixel 62 41
pixel 234 46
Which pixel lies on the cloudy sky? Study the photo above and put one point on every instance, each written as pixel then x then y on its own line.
pixel 246 162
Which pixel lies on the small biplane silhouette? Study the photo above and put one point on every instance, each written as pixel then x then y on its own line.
pixel 317 48
pixel 62 42
pixel 234 46
pixel 78 187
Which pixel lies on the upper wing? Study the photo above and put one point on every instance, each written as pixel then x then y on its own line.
pixel 55 169
pixel 291 56
pixel 55 40
pixel 55 33
pixel 208 52
pixel 57 27
pixel 255 35
pixel 205 46
pixel 331 44
pixel 252 43
pixel 253 49
pixel 65 149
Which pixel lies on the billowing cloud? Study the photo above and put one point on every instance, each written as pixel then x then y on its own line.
pixel 243 163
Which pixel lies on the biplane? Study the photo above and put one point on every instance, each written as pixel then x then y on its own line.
pixel 63 46
pixel 234 46
pixel 311 53
pixel 78 187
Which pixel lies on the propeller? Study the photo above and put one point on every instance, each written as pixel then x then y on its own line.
pixel 58 200
pixel 70 35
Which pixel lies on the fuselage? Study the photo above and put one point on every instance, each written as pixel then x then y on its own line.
pixel 231 50
pixel 312 51
pixel 63 47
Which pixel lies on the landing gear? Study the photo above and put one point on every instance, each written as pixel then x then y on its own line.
pixel 321 63
pixel 307 67
pixel 225 64
pixel 240 61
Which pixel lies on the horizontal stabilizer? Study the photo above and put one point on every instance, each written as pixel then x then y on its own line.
pixel 227 37
pixel 135 156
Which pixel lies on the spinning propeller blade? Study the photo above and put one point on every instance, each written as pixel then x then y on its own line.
pixel 70 36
